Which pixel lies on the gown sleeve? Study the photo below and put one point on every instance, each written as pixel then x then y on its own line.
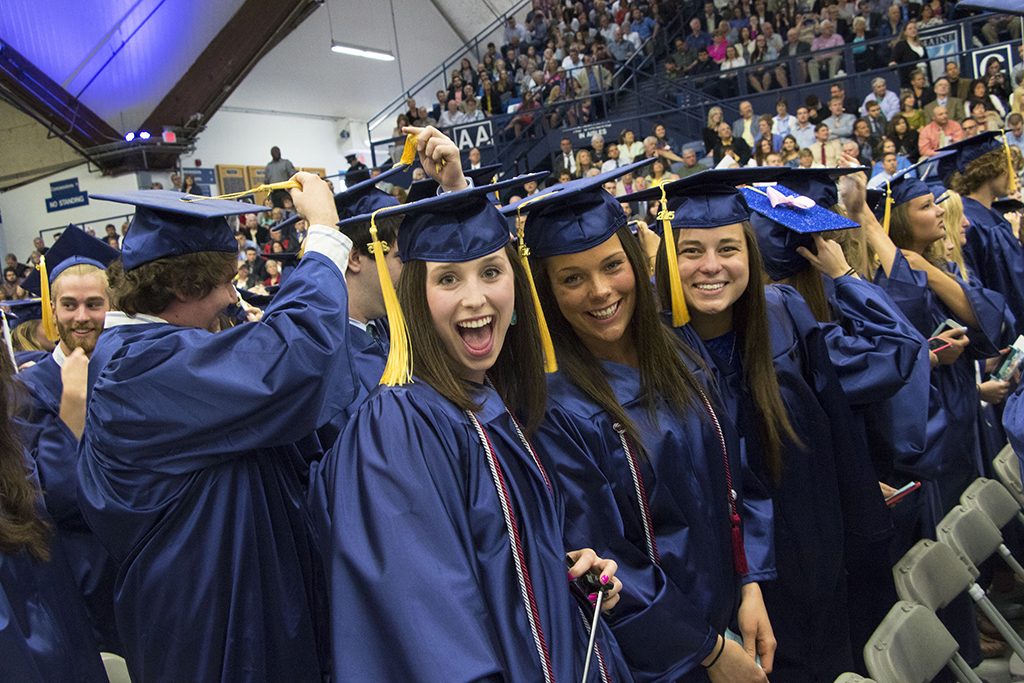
pixel 191 398
pixel 405 589
pixel 650 602
pixel 873 348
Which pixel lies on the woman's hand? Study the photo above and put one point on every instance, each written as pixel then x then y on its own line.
pixel 734 665
pixel 993 391
pixel 755 627
pixel 649 242
pixel 439 157
pixel 958 341
pixel 586 561
pixel 74 375
pixel 830 259
pixel 853 187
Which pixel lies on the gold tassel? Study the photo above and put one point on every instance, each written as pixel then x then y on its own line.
pixel 1011 186
pixel 889 201
pixel 409 151
pixel 398 370
pixel 49 321
pixel 266 187
pixel 680 313
pixel 546 344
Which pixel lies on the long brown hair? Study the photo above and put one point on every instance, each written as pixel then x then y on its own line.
pixel 663 373
pixel 901 236
pixel 750 323
pixel 518 372
pixel 21 526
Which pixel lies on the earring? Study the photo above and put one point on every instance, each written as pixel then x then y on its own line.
pixel 515 317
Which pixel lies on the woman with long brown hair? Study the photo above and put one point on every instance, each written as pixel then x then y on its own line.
pixel 765 344
pixel 446 559
pixel 44 631
pixel 643 450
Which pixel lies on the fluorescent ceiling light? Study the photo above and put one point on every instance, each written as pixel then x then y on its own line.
pixel 356 51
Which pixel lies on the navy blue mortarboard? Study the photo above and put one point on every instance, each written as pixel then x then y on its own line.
pixel 363 197
pixel 784 220
pixel 72 248
pixel 453 227
pixel 904 186
pixel 165 224
pixel 572 217
pixel 422 189
pixel 23 310
pixel 1008 205
pixel 818 184
pixel 960 154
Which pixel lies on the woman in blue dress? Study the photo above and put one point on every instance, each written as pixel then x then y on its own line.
pixel 641 445
pixel 446 557
pixel 781 390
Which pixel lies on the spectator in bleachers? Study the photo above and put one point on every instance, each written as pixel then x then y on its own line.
pixel 728 145
pixel 865 141
pixel 709 133
pixel 941 131
pixel 1015 130
pixel 629 147
pixel 954 105
pixel 621 49
pixel 958 87
pixel 984 117
pixel 980 93
pixel 789 155
pixel 719 45
pixel 997 81
pixel 659 173
pixel 710 18
pixel 760 78
pixel 911 112
pixel 690 163
pixel 839 122
pixel 772 39
pixel 929 19
pixel 919 89
pixel 697 37
pixel 851 104
pixel 828 38
pixel 764 130
pixel 783 123
pixel 887 99
pixel 451 116
pixel 804 131
pixel 904 137
pixel 762 150
pixel 612 160
pixel 907 54
pixel 876 120
pixel 745 43
pixel 795 51
pixel 565 159
pixel 729 87
pixel 584 164
pixel 745 126
pixel 826 150
pixel 880 178
pixel 863 59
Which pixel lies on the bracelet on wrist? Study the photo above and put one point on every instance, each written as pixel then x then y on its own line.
pixel 717 656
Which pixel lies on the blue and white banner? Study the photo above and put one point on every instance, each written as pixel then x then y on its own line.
pixel 64 194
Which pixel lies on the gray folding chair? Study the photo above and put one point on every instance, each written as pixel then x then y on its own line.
pixel 912 646
pixel 1000 506
pixel 972 536
pixel 1007 467
pixel 853 678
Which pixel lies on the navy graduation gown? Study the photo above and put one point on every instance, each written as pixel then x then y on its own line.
pixel 54 449
pixel 661 511
pixel 190 477
pixel 995 256
pixel 45 634
pixel 816 501
pixel 423 580
pixel 22 357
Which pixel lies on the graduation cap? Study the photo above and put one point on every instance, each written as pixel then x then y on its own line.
pixel 363 197
pixel 957 156
pixel 703 200
pixel 904 186
pixel 285 258
pixel 784 220
pixel 427 187
pixel 72 248
pixel 165 224
pixel 453 227
pixel 1008 205
pixel 817 183
pixel 23 310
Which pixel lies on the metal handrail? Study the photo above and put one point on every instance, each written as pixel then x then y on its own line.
pixel 442 70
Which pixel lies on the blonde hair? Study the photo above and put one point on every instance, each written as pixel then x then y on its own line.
pixel 712 111
pixel 952 218
pixel 80 269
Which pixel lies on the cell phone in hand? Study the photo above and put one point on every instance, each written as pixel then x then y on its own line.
pixel 937 344
pixel 902 492
pixel 948 324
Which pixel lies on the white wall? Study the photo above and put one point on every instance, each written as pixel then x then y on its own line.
pixel 24 214
pixel 236 136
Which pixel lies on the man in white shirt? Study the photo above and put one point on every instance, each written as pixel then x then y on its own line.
pixel 889 163
pixel 887 99
pixel 611 162
pixel 572 62
pixel 450 116
pixel 840 123
pixel 783 122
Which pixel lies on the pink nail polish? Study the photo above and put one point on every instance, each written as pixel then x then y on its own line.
pixel 604 579
pixel 571 577
pixel 592 597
